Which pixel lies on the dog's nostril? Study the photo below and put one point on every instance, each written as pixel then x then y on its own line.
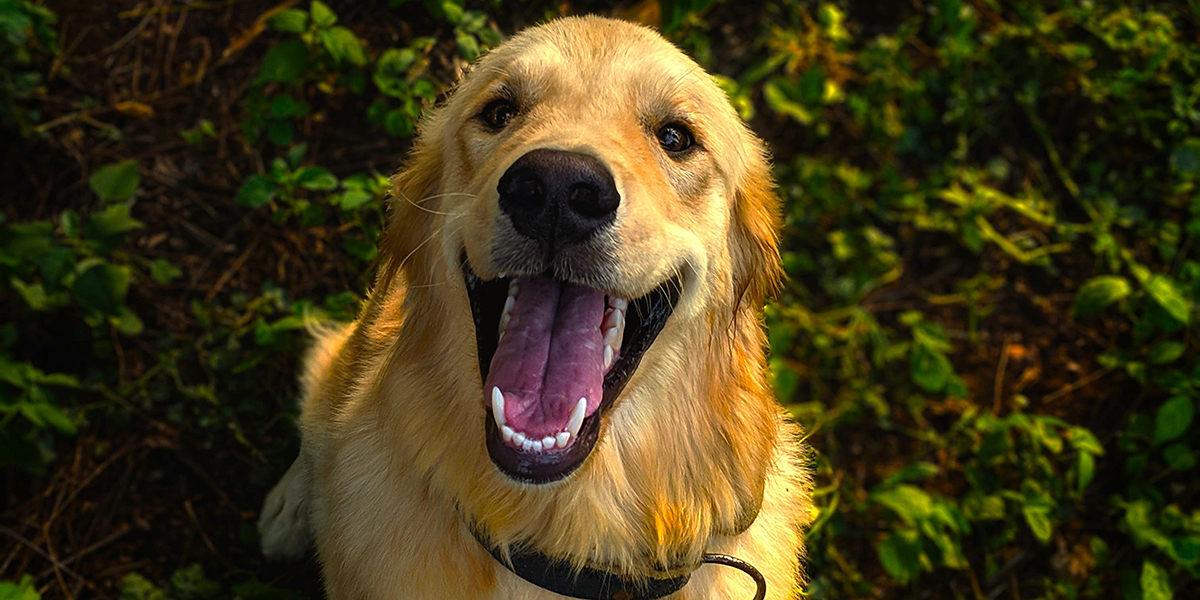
pixel 584 200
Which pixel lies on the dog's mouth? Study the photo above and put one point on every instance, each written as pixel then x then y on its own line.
pixel 554 356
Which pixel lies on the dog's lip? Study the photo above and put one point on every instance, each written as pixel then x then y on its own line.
pixel 647 316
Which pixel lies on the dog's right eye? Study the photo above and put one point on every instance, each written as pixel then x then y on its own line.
pixel 498 113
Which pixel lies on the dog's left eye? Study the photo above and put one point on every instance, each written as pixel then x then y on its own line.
pixel 498 113
pixel 675 138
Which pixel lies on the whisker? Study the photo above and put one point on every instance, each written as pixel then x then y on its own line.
pixel 434 197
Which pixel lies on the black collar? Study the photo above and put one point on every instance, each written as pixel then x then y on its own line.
pixel 589 583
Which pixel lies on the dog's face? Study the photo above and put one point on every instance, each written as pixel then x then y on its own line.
pixel 591 188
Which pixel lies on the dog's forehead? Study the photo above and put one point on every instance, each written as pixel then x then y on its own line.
pixel 598 57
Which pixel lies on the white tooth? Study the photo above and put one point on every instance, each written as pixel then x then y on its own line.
pixel 498 406
pixel 527 445
pixel 503 322
pixel 536 445
pixel 548 442
pixel 518 438
pixel 577 417
pixel 608 356
pixel 562 439
pixel 507 432
pixel 512 287
pixel 612 337
pixel 508 304
pixel 620 304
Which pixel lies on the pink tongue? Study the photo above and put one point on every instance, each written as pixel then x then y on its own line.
pixel 550 356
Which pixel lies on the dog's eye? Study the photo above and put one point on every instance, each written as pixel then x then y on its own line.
pixel 675 137
pixel 498 113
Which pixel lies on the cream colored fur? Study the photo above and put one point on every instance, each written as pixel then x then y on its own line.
pixel 694 457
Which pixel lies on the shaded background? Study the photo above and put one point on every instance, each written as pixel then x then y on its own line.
pixel 988 329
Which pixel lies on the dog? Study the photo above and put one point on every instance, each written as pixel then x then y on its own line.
pixel 557 386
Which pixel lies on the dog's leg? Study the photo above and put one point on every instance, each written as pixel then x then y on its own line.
pixel 283 525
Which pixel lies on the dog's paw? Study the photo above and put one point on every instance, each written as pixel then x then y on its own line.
pixel 283 524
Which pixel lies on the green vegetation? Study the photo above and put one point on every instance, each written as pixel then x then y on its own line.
pixel 989 328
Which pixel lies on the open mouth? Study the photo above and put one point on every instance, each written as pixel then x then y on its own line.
pixel 554 356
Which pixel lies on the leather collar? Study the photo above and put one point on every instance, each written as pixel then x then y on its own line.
pixel 586 583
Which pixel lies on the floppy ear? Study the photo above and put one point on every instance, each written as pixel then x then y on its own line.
pixel 755 245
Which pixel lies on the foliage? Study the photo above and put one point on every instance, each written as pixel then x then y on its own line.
pixel 26 35
pixel 988 327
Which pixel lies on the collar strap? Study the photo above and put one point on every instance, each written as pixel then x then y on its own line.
pixel 586 583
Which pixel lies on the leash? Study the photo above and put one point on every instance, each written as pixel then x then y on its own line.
pixel 589 583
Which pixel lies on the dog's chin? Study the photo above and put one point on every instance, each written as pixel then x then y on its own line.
pixel 529 373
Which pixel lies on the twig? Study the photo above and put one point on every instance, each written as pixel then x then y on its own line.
pixel 1090 378
pixel 28 544
pixel 998 387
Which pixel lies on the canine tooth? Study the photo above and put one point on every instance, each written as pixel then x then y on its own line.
pixel 508 304
pixel 562 439
pixel 608 356
pixel 503 322
pixel 498 406
pixel 577 417
pixel 548 442
pixel 518 438
pixel 507 432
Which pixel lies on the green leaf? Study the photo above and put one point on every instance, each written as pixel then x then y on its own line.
pixel 910 502
pixel 391 71
pixel 1165 352
pixel 55 418
pixel 316 178
pixel 1168 296
pixel 930 369
pixel 468 46
pixel 117 181
pixel 399 123
pixel 1179 457
pixel 900 555
pixel 1173 419
pixel 110 225
pixel 1086 468
pixel 1084 441
pixel 343 46
pixel 776 93
pixel 284 106
pixel 353 199
pixel 1038 519
pixel 1100 292
pixel 70 222
pixel 1156 582
pixel 256 192
pixel 101 286
pixel 322 15
pixel 22 590
pixel 163 271
pixel 363 249
pixel 290 20
pixel 284 62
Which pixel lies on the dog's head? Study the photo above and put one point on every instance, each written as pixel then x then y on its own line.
pixel 595 196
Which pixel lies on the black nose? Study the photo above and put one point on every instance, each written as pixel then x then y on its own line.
pixel 558 198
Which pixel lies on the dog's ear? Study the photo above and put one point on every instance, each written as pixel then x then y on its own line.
pixel 410 218
pixel 755 244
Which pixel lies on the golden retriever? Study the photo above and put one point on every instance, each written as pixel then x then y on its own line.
pixel 563 356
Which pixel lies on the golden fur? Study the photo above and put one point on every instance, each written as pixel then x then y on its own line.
pixel 694 457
